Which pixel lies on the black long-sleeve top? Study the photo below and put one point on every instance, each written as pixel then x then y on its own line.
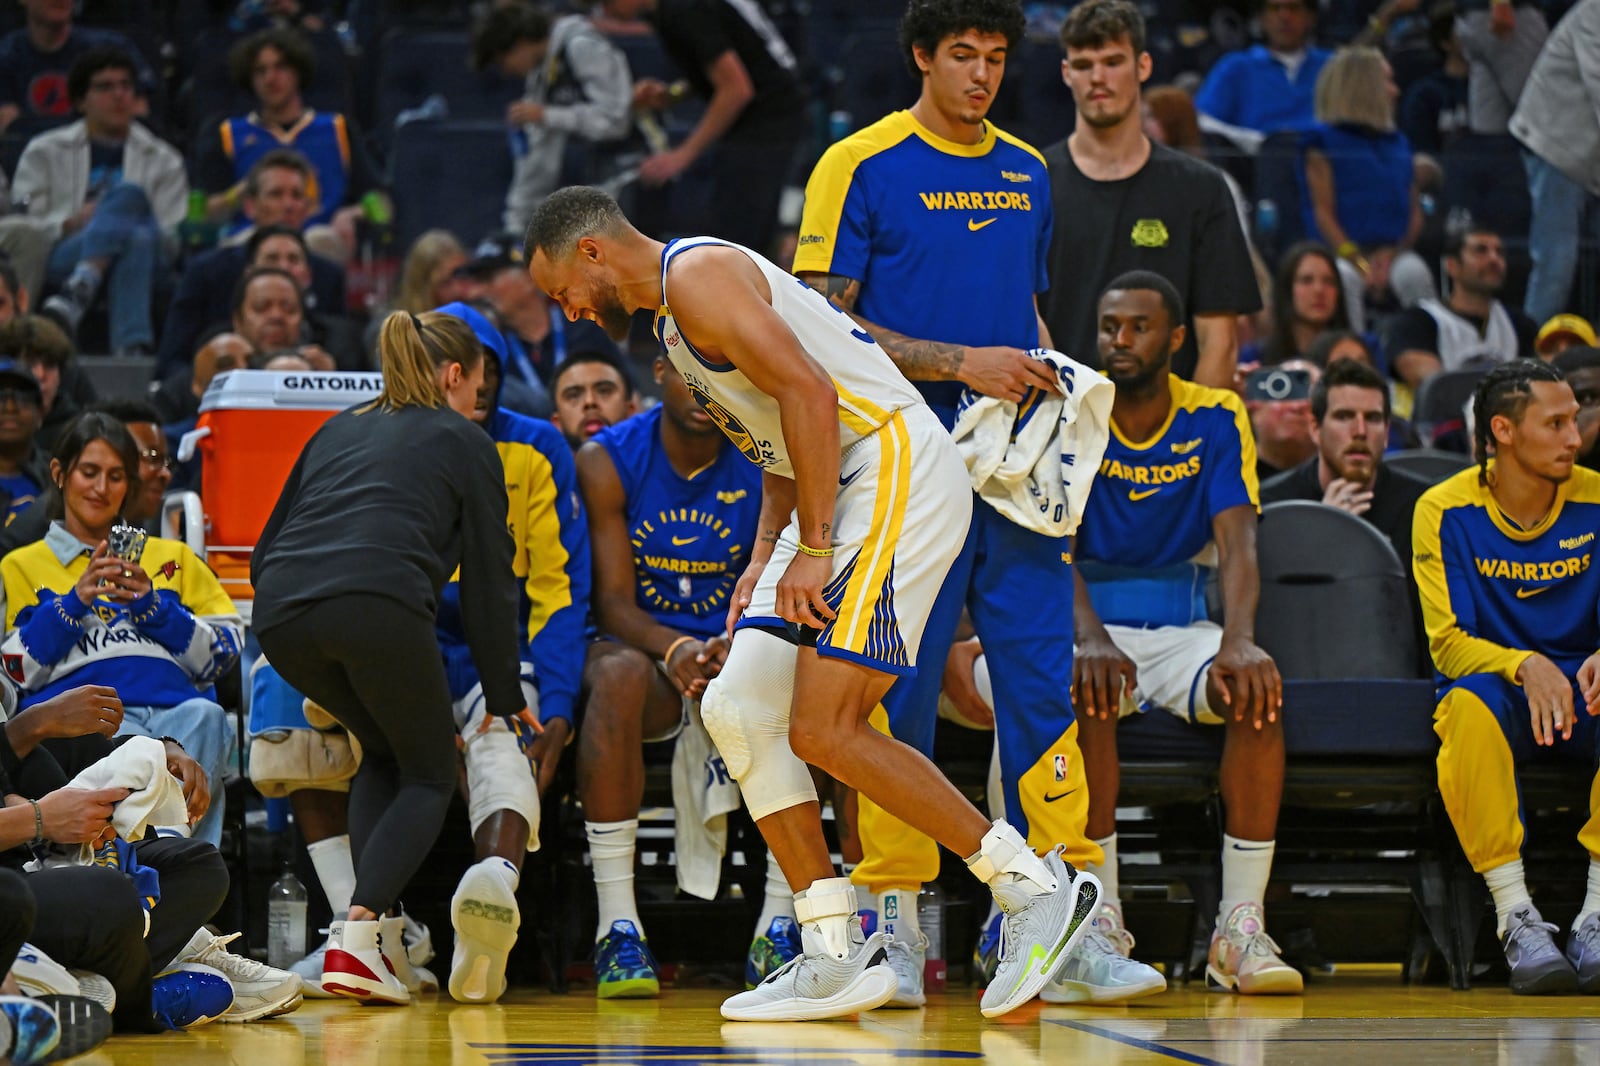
pixel 390 503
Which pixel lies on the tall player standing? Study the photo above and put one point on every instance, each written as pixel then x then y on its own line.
pixel 932 223
pixel 865 504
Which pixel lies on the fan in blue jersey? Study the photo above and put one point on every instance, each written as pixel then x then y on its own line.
pixel 1502 553
pixel 1176 498
pixel 672 517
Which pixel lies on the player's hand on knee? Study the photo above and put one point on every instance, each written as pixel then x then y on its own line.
pixel 1589 683
pixel 960 685
pixel 80 712
pixel 1005 373
pixel 1100 673
pixel 1249 682
pixel 744 591
pixel 713 653
pixel 800 596
pixel 1549 698
pixel 545 751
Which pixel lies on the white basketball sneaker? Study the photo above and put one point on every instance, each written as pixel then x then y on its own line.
pixel 815 985
pixel 1100 971
pixel 486 919
pixel 1041 927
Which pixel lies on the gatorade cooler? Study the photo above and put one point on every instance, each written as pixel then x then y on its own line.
pixel 252 426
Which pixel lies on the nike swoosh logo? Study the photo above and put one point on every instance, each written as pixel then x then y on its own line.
pixel 678 542
pixel 1059 795
pixel 1145 495
pixel 846 480
pixel 975 226
pixel 1523 594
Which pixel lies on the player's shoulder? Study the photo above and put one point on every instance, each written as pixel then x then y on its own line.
pixel 1025 154
pixel 848 153
pixel 1181 167
pixel 1206 401
pixel 512 427
pixel 633 436
pixel 1461 489
pixel 1584 486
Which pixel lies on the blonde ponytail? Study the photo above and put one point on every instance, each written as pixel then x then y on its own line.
pixel 412 348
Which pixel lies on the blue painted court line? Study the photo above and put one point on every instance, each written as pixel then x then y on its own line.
pixel 690 1055
pixel 1143 1045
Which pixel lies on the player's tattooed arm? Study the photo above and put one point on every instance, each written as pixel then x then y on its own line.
pixel 918 360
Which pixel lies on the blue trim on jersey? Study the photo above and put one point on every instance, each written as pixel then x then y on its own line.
pixel 667 253
pixel 897 669
pixel 1194 688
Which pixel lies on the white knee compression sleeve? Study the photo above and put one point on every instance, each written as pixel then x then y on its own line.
pixel 746 711
pixel 500 776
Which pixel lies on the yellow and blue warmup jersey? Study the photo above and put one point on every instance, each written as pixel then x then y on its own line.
pixel 1493 592
pixel 691 535
pixel 949 241
pixel 1149 515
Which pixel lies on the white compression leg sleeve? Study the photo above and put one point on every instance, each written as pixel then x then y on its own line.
pixel 746 711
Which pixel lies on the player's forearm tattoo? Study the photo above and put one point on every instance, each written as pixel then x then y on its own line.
pixel 769 536
pixel 827 534
pixel 841 291
pixel 917 359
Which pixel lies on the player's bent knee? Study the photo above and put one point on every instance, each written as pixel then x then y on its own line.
pixel 500 778
pixel 746 711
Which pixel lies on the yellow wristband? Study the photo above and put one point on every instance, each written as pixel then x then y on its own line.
pixel 1348 250
pixel 816 553
pixel 666 657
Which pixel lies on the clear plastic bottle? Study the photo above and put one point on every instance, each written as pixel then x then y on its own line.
pixel 930 916
pixel 286 920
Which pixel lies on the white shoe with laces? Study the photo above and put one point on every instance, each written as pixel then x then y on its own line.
pixel 309 970
pixel 259 990
pixel 1043 924
pixel 907 960
pixel 816 985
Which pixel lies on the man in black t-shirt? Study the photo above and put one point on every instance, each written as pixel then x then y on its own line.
pixel 1123 203
pixel 1472 327
pixel 735 59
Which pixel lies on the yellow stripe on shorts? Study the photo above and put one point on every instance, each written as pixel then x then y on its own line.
pixel 873 562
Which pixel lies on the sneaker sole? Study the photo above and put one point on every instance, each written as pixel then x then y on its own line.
pixel 871 988
pixel 1286 982
pixel 1080 992
pixel 271 1008
pixel 35 1029
pixel 1554 983
pixel 1085 904
pixel 486 919
pixel 634 988
pixel 85 1025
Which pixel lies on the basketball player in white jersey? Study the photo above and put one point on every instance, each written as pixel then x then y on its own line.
pixel 865 504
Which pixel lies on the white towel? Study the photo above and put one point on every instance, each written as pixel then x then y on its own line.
pixel 703 793
pixel 1037 470
pixel 140 764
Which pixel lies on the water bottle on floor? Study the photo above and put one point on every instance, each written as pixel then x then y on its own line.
pixel 286 920
pixel 930 916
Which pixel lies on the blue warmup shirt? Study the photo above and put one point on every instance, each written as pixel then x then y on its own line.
pixel 1149 516
pixel 949 241
pixel 1252 89
pixel 691 536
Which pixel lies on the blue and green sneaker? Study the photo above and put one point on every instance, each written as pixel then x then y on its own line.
pixel 770 950
pixel 623 965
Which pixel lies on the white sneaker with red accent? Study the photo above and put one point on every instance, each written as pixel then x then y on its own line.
pixel 354 965
pixel 1245 958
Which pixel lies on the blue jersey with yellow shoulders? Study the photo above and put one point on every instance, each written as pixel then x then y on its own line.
pixel 949 241
pixel 1493 592
pixel 321 137
pixel 550 560
pixel 691 535
pixel 1148 519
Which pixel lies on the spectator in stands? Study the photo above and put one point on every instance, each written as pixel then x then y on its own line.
pixel 1350 425
pixel 1519 681
pixel 1122 203
pixel 1471 327
pixel 1307 300
pixel 334 333
pixel 39 345
pixel 13 296
pixel 737 61
pixel 576 110
pixel 1267 87
pixel 1580 367
pixel 1433 111
pixel 659 592
pixel 1359 193
pixel 24 254
pixel 1335 344
pixel 115 194
pixel 35 61
pixel 24 467
pixel 1278 399
pixel 178 398
pixel 1141 649
pixel 76 615
pixel 1500 40
pixel 1558 123
pixel 276 66
pixel 1563 332
pixel 427 278
pixel 268 310
pixel 155 465
pixel 593 390
pixel 275 194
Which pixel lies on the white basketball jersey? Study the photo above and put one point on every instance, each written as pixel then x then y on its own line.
pixel 869 385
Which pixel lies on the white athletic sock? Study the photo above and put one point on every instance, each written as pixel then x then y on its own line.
pixel 1106 869
pixel 897 913
pixel 336 870
pixel 1246 869
pixel 778 902
pixel 1591 899
pixel 1509 887
pixel 506 869
pixel 611 846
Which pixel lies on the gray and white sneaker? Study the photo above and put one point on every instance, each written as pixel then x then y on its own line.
pixel 96 988
pixel 1538 968
pixel 259 990
pixel 907 959
pixel 1039 930
pixel 38 974
pixel 815 985
pixel 309 970
pixel 1098 973
pixel 1583 951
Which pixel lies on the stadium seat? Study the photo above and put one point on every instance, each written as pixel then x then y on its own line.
pixel 1430 464
pixel 416 64
pixel 450 175
pixel 1442 399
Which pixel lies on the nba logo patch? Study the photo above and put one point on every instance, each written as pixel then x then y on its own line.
pixel 1061 767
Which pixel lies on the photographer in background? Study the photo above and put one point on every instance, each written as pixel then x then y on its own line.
pixel 1279 401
